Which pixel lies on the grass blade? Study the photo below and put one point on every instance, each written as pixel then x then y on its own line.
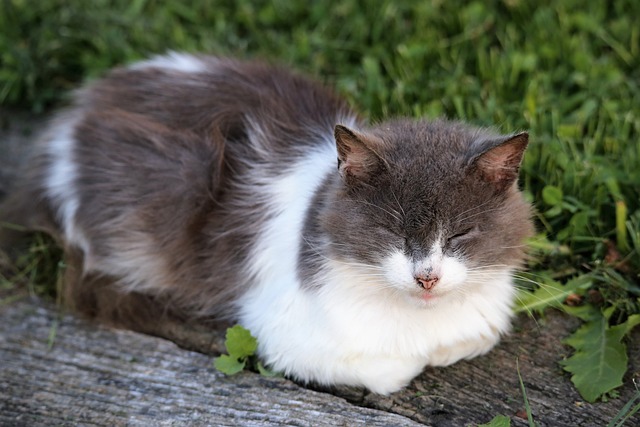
pixel 524 396
pixel 627 411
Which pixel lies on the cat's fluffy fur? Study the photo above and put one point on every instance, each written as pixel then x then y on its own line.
pixel 355 254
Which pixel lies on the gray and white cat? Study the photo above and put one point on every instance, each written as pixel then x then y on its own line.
pixel 357 254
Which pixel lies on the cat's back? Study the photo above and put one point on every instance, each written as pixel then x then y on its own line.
pixel 184 130
pixel 163 163
pixel 204 94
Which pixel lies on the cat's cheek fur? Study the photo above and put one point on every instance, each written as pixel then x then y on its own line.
pixel 400 271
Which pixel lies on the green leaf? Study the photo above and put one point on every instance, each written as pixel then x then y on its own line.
pixel 552 195
pixel 553 212
pixel 266 372
pixel 498 421
pixel 240 343
pixel 228 365
pixel 549 294
pixel 600 359
pixel 586 312
pixel 240 346
pixel 621 225
pixel 619 331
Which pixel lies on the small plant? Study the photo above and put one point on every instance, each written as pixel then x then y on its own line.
pixel 241 345
pixel 624 414
pixel 498 421
pixel 503 420
pixel 241 348
pixel 600 358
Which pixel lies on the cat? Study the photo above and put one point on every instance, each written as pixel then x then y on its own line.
pixel 357 254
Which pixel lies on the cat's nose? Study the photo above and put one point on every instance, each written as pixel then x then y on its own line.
pixel 427 282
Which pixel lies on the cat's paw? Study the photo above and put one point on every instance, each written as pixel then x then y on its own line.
pixel 446 355
pixel 385 375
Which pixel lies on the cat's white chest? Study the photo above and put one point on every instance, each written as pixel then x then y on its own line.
pixel 351 330
pixel 340 335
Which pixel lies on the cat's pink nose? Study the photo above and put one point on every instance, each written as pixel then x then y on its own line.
pixel 428 282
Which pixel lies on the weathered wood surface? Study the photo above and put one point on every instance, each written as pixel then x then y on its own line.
pixel 94 375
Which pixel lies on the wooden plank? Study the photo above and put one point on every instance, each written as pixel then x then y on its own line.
pixel 93 375
pixel 471 392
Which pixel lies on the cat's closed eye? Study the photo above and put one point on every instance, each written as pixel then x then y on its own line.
pixel 458 239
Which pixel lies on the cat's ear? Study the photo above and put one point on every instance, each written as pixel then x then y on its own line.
pixel 498 160
pixel 357 158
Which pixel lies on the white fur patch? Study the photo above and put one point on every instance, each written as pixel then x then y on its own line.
pixel 61 179
pixel 173 61
pixel 401 272
pixel 359 328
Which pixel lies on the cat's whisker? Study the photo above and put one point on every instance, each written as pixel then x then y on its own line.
pixel 358 265
pixel 460 294
pixel 478 213
pixel 337 244
pixel 395 215
pixel 529 280
pixel 528 290
pixel 490 272
pixel 522 302
pixel 315 249
pixel 398 202
pixel 472 209
pixel 362 266
pixel 527 310
pixel 486 277
pixel 485 267
pixel 381 286
pixel 528 273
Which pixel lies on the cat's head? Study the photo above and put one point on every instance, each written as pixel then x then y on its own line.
pixel 429 208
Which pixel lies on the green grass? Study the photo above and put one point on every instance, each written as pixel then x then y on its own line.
pixel 38 267
pixel 568 72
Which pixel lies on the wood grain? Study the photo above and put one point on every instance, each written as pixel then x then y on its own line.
pixel 94 375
